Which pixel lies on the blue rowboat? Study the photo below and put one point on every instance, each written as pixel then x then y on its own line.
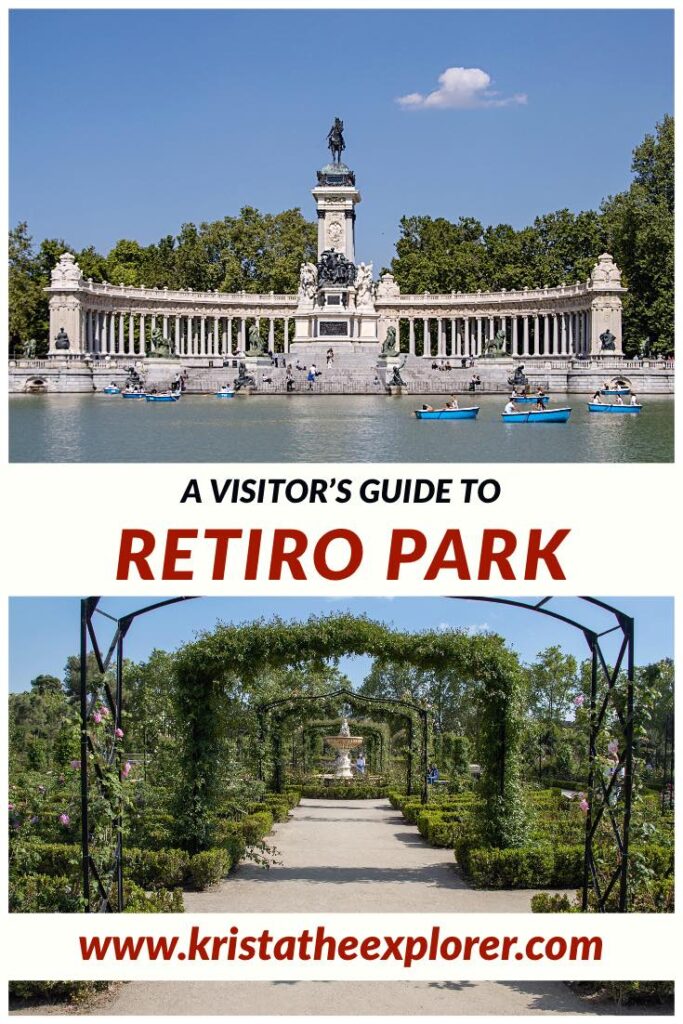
pixel 162 398
pixel 537 416
pixel 225 394
pixel 111 389
pixel 133 394
pixel 527 399
pixel 605 407
pixel 469 413
pixel 615 391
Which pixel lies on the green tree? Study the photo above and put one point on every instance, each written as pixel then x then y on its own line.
pixel 553 681
pixel 640 222
pixel 27 302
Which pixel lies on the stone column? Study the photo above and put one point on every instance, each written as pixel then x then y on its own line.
pixel 131 334
pixel 513 344
pixel 202 335
pixel 188 336
pixel 122 336
pixel 525 337
pixel 411 336
pixel 426 340
pixel 141 339
pixel 492 330
pixel 243 334
pixel 479 338
pixel 177 336
pixel 228 348
pixel 164 329
pixel 546 334
pixel 271 334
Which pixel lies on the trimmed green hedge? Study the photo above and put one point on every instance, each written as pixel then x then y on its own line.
pixel 161 901
pixel 207 868
pixel 155 869
pixel 353 791
pixel 43 894
pixel 256 826
pixel 529 867
pixel 651 897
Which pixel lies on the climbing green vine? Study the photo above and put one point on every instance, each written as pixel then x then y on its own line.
pixel 220 668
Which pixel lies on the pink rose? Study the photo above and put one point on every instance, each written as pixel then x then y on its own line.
pixel 584 805
pixel 119 734
pixel 578 700
pixel 125 771
pixel 97 717
pixel 64 819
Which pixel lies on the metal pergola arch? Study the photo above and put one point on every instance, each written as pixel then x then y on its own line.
pixel 600 702
pixel 343 692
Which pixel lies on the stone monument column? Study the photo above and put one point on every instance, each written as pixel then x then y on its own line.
pixel 336 298
pixel 335 198
pixel 66 323
pixel 605 312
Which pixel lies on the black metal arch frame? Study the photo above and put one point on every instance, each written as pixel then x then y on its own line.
pixel 604 699
pixel 405 708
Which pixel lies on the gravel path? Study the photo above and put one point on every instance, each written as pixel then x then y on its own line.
pixel 354 856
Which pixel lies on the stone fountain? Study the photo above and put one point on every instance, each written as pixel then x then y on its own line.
pixel 343 744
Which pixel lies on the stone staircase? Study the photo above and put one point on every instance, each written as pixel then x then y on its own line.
pixel 352 372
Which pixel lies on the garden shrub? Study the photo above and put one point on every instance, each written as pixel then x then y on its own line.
pixel 518 868
pixel 646 897
pixel 653 860
pixel 161 901
pixel 54 991
pixel 54 859
pixel 154 869
pixel 230 836
pixel 553 903
pixel 42 894
pixel 256 826
pixel 568 864
pixel 278 807
pixel 207 868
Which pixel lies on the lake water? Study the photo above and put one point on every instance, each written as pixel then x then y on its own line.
pixel 334 428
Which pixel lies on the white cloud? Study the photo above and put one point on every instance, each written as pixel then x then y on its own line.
pixel 461 89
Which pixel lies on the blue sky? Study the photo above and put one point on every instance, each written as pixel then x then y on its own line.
pixel 128 123
pixel 55 621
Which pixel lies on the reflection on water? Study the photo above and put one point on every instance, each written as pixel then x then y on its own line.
pixel 335 428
